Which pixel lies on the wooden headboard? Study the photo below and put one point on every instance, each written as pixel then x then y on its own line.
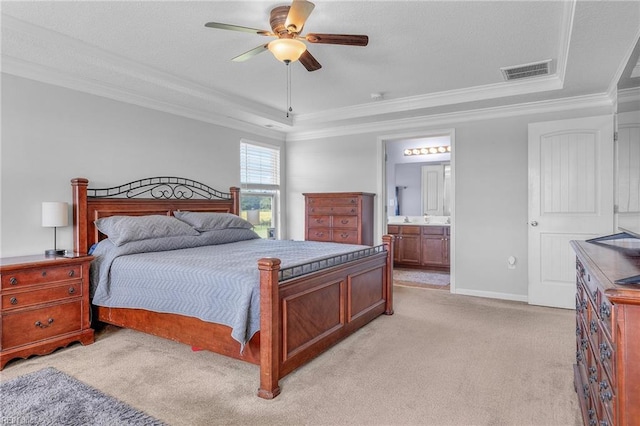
pixel 158 195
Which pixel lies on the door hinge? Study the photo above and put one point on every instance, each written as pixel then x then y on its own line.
pixel 615 136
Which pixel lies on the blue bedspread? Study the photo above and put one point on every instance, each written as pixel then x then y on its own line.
pixel 199 276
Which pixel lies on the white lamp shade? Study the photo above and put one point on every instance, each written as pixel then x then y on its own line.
pixel 55 213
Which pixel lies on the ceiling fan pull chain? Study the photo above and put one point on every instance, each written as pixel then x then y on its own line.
pixel 289 109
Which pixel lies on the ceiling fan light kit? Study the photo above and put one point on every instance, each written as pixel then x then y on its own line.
pixel 287 50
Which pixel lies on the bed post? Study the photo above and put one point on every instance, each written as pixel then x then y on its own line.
pixel 270 338
pixel 387 240
pixel 79 191
pixel 235 193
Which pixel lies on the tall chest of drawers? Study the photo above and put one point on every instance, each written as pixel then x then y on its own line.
pixel 341 217
pixel 607 369
pixel 45 305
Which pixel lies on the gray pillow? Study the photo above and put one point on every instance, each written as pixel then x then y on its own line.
pixel 206 221
pixel 122 229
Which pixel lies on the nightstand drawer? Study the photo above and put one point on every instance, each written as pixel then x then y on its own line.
pixel 51 294
pixel 40 275
pixel 30 326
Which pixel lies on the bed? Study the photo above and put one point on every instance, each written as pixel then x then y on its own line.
pixel 304 308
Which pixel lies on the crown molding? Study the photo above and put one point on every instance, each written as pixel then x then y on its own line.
pixel 565 104
pixel 106 74
pixel 458 96
pixel 628 95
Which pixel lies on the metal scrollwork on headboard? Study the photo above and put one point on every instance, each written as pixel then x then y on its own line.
pixel 161 188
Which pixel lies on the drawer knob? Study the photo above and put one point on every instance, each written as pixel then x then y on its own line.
pixel 72 273
pixel 72 290
pixel 13 281
pixel 13 301
pixel 44 273
pixel 605 310
pixel 41 325
pixel 607 396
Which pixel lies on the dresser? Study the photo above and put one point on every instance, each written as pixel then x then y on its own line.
pixel 607 369
pixel 45 305
pixel 340 217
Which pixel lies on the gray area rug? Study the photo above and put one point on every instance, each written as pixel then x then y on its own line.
pixel 50 397
pixel 421 277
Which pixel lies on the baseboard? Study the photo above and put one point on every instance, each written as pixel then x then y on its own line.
pixel 492 295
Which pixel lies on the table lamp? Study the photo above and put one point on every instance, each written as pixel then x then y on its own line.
pixel 55 214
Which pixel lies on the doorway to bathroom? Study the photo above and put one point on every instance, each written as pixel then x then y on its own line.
pixel 418 185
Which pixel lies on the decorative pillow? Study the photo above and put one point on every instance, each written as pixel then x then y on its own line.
pixel 206 221
pixel 122 229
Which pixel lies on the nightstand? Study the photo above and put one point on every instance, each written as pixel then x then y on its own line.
pixel 45 305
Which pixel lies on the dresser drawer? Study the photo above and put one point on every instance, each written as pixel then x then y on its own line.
pixel 319 234
pixel 40 275
pixel 25 327
pixel 345 222
pixel 51 294
pixel 318 221
pixel 337 210
pixel 332 201
pixel 606 355
pixel 345 236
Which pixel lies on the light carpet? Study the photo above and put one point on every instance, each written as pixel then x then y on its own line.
pixel 441 359
pixel 50 397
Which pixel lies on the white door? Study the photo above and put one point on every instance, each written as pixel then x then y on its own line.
pixel 433 189
pixel 570 198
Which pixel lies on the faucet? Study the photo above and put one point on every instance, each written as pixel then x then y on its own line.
pixel 406 219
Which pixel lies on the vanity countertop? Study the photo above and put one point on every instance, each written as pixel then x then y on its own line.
pixel 419 220
pixel 417 224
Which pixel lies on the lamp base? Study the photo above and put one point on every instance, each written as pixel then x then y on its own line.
pixel 54 252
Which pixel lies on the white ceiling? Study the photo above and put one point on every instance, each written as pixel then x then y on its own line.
pixel 425 57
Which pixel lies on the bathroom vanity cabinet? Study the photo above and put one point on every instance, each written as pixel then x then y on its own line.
pixel 421 246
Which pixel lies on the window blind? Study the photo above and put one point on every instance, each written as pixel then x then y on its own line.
pixel 259 166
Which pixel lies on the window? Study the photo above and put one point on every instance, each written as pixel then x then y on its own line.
pixel 260 187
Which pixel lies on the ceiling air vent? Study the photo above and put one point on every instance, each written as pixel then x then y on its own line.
pixel 527 70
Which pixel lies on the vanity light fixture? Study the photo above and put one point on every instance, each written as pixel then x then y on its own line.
pixel 427 150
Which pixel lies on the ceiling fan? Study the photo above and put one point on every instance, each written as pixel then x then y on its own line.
pixel 286 24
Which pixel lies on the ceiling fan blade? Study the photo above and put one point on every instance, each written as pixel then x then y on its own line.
pixel 346 39
pixel 251 53
pixel 298 14
pixel 238 28
pixel 309 61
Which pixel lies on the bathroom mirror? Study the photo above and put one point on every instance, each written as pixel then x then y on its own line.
pixel 422 188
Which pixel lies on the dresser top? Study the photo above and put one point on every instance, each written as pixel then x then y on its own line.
pixel 612 261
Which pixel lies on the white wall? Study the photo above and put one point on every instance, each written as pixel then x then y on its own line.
pixel 490 193
pixel 51 135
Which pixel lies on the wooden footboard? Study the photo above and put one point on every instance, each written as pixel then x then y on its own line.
pixel 300 316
